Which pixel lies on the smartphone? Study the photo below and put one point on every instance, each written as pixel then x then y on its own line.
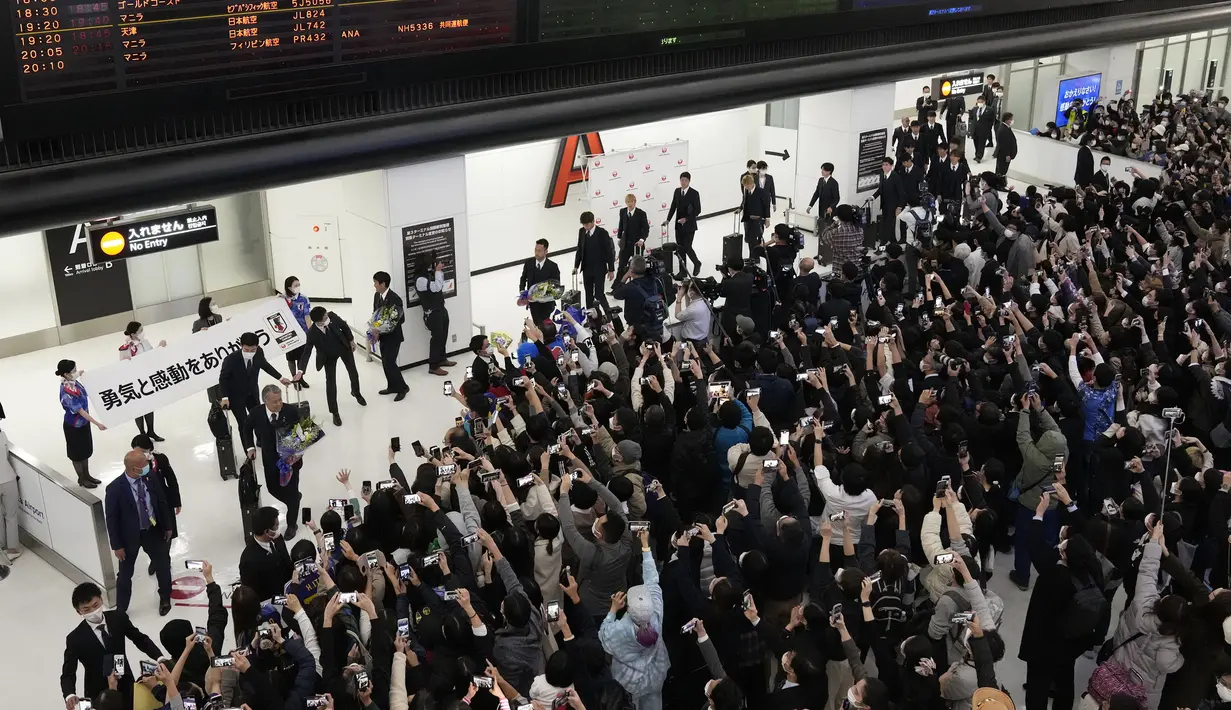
pixel 729 507
pixel 396 443
pixel 488 476
pixel 525 481
pixel 1145 373
pixel 189 704
pixel 433 452
pixel 328 542
pixel 446 470
pixel 404 628
pixel 962 617
pixel 410 498
pixel 944 558
pixel 382 485
pixel 403 573
pixel 348 511
pixel 317 701
pixel 747 601
pixel 519 382
pixel 553 611
pixel 362 681
pixel 86 704
pixel 963 448
pixel 1109 508
pixel 553 448
pixel 448 388
pixel 223 662
pixel 348 597
pixel 418 449
pixel 770 464
pixel 688 628
pixel 575 357
pixel 835 611
pixel 1057 464
pixel 148 668
pixel 457 422
pixel 886 502
pixel 564 573
pixel 639 525
pixel 874 577
pixel 366 488
pixel 837 517
pixel 306 568
pixel 118 665
pixel 753 392
pixel 373 561
pixel 942 486
pixel 885 401
pixel 337 503
pixel 432 559
pixel 470 539
pixel 451 595
pixel 278 600
pixel 194 564
pixel 200 633
pixel 482 681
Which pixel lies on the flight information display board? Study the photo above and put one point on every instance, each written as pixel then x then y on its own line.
pixel 568 19
pixel 73 47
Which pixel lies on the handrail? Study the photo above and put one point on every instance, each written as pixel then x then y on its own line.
pixel 57 518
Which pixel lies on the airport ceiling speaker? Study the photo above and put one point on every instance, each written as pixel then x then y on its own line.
pixel 649 173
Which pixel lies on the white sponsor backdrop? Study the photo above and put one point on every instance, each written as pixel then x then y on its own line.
pixel 651 173
pixel 128 389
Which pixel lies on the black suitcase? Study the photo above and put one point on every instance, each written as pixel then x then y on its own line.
pixel 250 497
pixel 226 458
pixel 733 243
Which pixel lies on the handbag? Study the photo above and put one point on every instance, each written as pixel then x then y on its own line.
pixel 1111 678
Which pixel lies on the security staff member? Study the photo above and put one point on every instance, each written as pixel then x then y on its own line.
pixel 981 126
pixel 633 229
pixel 954 109
pixel 1006 145
pixel 826 193
pixel 595 260
pixel 685 208
pixel 333 340
pixel 755 211
pixel 430 288
pixel 736 289
pixel 537 270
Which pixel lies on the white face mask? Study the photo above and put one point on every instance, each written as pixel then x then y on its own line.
pixel 295 290
pixel 325 323
pixel 851 700
pixel 1105 168
pixel 95 617
pixel 248 355
pixel 214 309
pixel 1224 693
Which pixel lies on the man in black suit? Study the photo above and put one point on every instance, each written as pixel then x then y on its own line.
pixel 595 260
pixel 765 181
pixel 1084 174
pixel 826 193
pixel 925 104
pixel 237 379
pixel 910 140
pixel 391 342
pixel 160 468
pixel 333 340
pixel 139 518
pixel 754 210
pixel 94 643
pixel 980 126
pixel 537 270
pixel 912 176
pixel 1006 145
pixel 893 199
pixel 900 134
pixel 953 110
pixel 633 230
pixel 953 175
pixel 686 203
pixel 265 565
pixel 736 289
pixel 268 423
pixel 993 105
pixel 1102 179
pixel 932 136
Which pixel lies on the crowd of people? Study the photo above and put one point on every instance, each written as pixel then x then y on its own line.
pixel 796 502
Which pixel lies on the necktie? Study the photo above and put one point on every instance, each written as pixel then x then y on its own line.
pixel 248 364
pixel 147 516
pixel 273 418
pixel 106 637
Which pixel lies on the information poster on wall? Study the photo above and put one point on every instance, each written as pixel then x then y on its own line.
pixel 872 148
pixel 435 239
pixel 84 290
pixel 1083 88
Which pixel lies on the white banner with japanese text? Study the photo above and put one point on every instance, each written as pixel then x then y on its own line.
pixel 127 389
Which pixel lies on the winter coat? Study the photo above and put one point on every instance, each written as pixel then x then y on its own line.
pixel 518 651
pixel 1038 457
pixel 1152 655
pixel 639 670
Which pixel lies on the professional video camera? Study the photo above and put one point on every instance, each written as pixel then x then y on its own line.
pixel 925 216
pixel 708 287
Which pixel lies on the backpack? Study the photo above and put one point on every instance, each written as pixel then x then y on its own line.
pixel 654 311
pixel 217 421
pixel 1085 612
pixel 888 607
pixel 249 489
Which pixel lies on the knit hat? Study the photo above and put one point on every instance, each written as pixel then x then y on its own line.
pixel 610 370
pixel 745 324
pixel 629 450
pixel 641 610
pixel 961 251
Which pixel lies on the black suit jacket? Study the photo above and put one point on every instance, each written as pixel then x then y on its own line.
pixel 951 180
pixel 595 252
pixel 391 300
pixel 1006 142
pixel 266 572
pixel 330 344
pixel 924 105
pixel 532 274
pixel 755 204
pixel 633 229
pixel 1101 182
pixel 891 192
pixel 827 194
pixel 899 134
pixel 1085 167
pixel 954 107
pixel 770 189
pixel 686 207
pixel 238 383
pixel 123 516
pixel 981 126
pixel 910 182
pixel 258 423
pixel 83 646
pixel 931 138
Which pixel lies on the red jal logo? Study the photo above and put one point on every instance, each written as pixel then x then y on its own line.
pixel 648 167
pixel 664 149
pixel 615 174
pixel 664 206
pixel 632 156
pixel 598 192
pixel 679 161
pixel 598 163
pixel 662 178
pixel 615 203
pixel 631 184
pixel 648 195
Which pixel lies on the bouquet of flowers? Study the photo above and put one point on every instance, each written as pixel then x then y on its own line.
pixel 382 321
pixel 541 292
pixel 292 445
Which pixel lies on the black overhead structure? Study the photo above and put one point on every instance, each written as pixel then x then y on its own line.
pixel 267 138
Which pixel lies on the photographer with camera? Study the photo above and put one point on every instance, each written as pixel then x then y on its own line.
pixel 645 309
pixel 691 316
pixel 736 287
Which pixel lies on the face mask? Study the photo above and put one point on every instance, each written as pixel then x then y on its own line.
pixel 214 309
pixel 74 374
pixel 1223 692
pixel 139 334
pixel 248 355
pixel 96 617
pixel 325 323
pixel 149 456
pixel 145 470
pixel 850 701
pixel 294 290
pixel 1106 168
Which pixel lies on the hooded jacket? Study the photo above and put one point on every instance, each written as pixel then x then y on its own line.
pixel 640 670
pixel 518 650
pixel 1152 655
pixel 1037 457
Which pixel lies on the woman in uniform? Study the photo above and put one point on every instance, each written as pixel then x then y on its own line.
pixel 300 306
pixel 135 344
pixel 78 439
pixel 208 314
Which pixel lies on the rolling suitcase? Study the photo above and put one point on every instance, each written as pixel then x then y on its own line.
pixel 249 497
pixel 733 243
pixel 224 443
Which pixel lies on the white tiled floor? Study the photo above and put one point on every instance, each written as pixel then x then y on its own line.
pixel 35 611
